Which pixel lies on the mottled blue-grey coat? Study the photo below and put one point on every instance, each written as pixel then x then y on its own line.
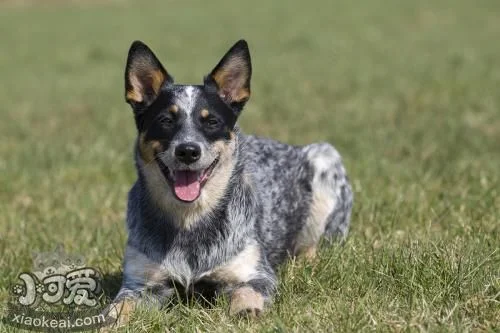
pixel 212 206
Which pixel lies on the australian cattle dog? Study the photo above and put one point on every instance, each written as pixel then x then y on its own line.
pixel 211 205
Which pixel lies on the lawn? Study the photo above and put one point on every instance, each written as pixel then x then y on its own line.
pixel 408 92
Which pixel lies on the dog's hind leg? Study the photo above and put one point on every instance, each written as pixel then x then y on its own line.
pixel 331 199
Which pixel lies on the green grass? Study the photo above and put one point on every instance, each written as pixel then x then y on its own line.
pixel 408 91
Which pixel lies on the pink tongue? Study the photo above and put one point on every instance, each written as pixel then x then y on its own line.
pixel 187 185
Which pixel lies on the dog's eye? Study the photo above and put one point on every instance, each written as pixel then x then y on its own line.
pixel 166 121
pixel 212 122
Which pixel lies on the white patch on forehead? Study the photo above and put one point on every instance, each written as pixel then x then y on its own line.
pixel 186 100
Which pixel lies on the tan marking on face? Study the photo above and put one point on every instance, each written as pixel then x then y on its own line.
pixel 173 108
pixel 156 146
pixel 246 301
pixel 241 268
pixel 148 149
pixel 204 113
pixel 213 190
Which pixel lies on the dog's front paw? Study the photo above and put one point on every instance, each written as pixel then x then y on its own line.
pixel 118 314
pixel 245 301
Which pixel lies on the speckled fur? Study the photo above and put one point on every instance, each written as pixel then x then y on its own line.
pixel 273 201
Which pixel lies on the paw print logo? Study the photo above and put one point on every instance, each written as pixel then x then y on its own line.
pixel 18 289
pixel 73 263
pixel 40 288
pixel 50 271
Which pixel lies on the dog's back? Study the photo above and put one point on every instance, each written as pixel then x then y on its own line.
pixel 304 193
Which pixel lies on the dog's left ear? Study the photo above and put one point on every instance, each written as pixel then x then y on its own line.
pixel 232 75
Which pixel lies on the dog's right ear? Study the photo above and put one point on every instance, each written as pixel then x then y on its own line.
pixel 144 76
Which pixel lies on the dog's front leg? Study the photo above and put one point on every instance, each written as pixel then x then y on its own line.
pixel 248 280
pixel 144 283
pixel 246 301
pixel 250 298
pixel 119 312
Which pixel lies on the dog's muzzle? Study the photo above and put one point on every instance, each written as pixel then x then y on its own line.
pixel 187 184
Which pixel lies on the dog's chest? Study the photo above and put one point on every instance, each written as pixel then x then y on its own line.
pixel 241 267
pixel 176 265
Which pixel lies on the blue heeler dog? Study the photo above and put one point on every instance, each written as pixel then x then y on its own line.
pixel 212 206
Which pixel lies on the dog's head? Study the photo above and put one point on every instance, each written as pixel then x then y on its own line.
pixel 186 132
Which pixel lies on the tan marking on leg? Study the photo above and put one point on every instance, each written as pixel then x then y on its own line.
pixel 118 314
pixel 321 206
pixel 241 268
pixel 246 301
pixel 204 113
pixel 310 253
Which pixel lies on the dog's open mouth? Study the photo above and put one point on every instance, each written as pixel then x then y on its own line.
pixel 187 184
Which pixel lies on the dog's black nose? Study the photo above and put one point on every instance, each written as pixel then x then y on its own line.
pixel 188 152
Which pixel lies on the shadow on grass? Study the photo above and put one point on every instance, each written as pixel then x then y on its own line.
pixel 204 292
pixel 111 283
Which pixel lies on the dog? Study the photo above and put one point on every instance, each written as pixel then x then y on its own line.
pixel 211 205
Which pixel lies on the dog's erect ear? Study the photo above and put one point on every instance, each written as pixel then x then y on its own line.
pixel 144 75
pixel 232 75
